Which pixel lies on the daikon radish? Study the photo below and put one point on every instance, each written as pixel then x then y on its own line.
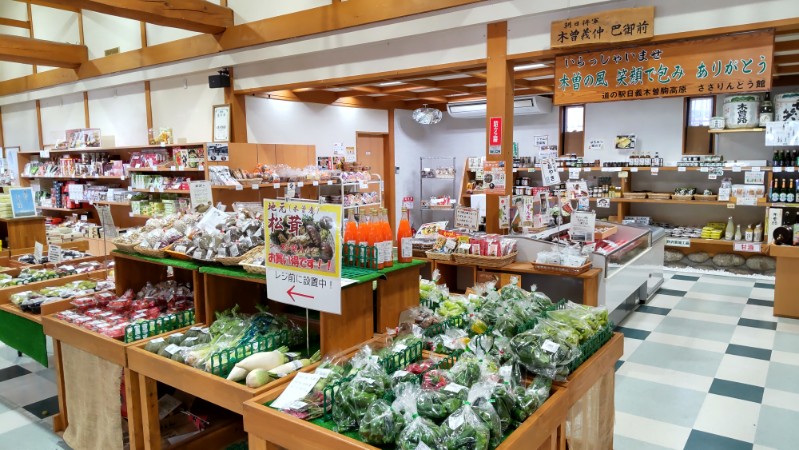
pixel 257 378
pixel 292 366
pixel 260 360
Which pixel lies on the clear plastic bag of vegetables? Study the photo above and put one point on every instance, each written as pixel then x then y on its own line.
pixel 437 405
pixel 503 399
pixel 480 397
pixel 421 431
pixel 541 300
pixel 405 395
pixel 464 429
pixel 512 291
pixel 451 340
pixel 313 404
pixel 466 371
pixel 381 424
pixel 547 349
pixel 354 397
pixel 528 400
pixel 585 319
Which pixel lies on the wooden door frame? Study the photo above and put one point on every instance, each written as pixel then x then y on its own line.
pixel 388 166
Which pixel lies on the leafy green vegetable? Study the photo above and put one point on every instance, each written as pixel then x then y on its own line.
pixel 527 401
pixel 465 430
pixel 438 405
pixel 423 430
pixel 381 424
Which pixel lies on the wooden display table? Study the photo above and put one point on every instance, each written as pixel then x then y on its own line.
pixel 23 232
pixel 393 294
pixel 449 275
pixel 786 301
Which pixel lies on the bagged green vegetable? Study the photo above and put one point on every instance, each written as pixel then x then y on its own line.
pixel 464 429
pixel 527 401
pixel 438 405
pixel 547 349
pixel 421 431
pixel 466 371
pixel 354 397
pixel 381 424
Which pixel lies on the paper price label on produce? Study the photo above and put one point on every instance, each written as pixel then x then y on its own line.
pixel 299 387
pixel 303 254
pixel 38 250
pixel 549 172
pixel 200 195
pixel 467 218
pixel 324 373
pixel 54 253
pixel 454 387
pixel 549 346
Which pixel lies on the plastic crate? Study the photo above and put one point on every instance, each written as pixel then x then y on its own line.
pixel 143 330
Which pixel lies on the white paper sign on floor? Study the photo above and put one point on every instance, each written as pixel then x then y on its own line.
pixel 303 254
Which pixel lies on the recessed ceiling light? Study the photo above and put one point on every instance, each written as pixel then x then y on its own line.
pixel 529 67
pixel 391 83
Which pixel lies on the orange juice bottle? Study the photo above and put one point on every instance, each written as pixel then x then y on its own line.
pixel 404 236
pixel 363 239
pixel 387 240
pixel 351 240
pixel 375 239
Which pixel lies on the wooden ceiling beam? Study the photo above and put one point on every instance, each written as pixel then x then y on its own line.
pixel 51 4
pixel 790 80
pixel 40 52
pixel 193 15
pixel 15 23
pixel 782 60
pixel 534 73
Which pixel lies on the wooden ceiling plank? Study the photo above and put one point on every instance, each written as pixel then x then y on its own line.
pixel 786 46
pixel 534 73
pixel 783 60
pixel 15 23
pixel 194 15
pixel 41 52
pixel 50 4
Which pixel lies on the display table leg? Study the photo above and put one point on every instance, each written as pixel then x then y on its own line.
pixel 151 430
pixel 355 324
pixel 133 406
pixel 591 290
pixel 254 443
pixel 786 302
pixel 59 420
pixel 398 292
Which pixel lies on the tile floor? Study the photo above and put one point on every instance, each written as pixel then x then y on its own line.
pixel 706 367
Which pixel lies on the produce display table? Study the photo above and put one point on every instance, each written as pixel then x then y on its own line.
pixel 393 295
pixel 449 275
pixel 22 232
pixel 270 429
pixel 786 302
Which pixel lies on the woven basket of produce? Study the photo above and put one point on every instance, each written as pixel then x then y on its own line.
pixel 659 195
pixel 639 195
pixel 485 261
pixel 150 252
pixel 438 256
pixel 705 198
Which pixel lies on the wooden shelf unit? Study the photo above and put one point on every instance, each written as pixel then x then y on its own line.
pixel 737 130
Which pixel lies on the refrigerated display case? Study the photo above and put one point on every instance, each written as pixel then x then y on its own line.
pixel 631 261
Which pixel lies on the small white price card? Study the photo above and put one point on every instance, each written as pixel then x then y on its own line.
pixel 299 387
pixel 633 169
pixel 736 168
pixel 38 249
pixel 678 242
pixel 746 201
pixel 751 247
pixel 790 169
pixel 777 169
pixel 655 170
pixel 724 194
pixel 574 174
pixel 681 169
pixel 704 169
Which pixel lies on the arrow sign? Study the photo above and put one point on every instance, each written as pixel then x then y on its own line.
pixel 291 293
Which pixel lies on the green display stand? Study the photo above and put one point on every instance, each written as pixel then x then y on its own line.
pixel 24 335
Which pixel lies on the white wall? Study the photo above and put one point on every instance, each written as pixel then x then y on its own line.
pixel 102 32
pixel 185 104
pixel 11 70
pixel 460 138
pixel 657 124
pixel 60 114
pixel 285 122
pixel 19 126
pixel 120 112
pixel 250 11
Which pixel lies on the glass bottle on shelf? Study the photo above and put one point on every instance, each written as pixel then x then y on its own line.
pixel 738 234
pixel 404 237
pixel 749 234
pixel 374 239
pixel 791 193
pixel 351 239
pixel 385 231
pixel 758 236
pixel 775 191
pixel 729 232
pixel 766 113
pixel 363 240
pixel 783 192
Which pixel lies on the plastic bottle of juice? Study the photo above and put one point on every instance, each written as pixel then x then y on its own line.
pixel 351 240
pixel 374 239
pixel 404 237
pixel 388 260
pixel 363 239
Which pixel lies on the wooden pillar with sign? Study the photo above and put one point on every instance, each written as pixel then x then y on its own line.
pixel 499 118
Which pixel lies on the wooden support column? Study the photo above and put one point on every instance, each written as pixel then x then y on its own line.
pixel 499 97
pixel 39 123
pixel 87 122
pixel 391 177
pixel 2 141
pixel 238 112
pixel 148 106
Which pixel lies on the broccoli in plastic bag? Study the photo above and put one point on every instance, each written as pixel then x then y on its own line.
pixel 381 424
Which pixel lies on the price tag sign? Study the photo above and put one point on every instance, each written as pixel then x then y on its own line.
pixel 655 171
pixel 624 174
pixel 755 169
pixel 549 172
pixel 736 168
pixel 754 177
pixel 704 169
pixel 583 225
pixel 38 250
pixel 299 387
pixel 574 174
pixel 790 169
pixel 678 242
pixel 107 221
pixel 76 192
pixel 746 201
pixel 54 253
pixel 200 194
pixel 633 169
pixel 750 247
pixel 681 169
pixel 291 190
pixel 467 218
pixel 586 169
pixel 777 169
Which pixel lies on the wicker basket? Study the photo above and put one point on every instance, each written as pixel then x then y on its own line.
pixel 494 262
pixel 176 255
pixel 659 195
pixel 706 198
pixel 125 247
pixel 639 195
pixel 252 268
pixel 150 252
pixel 249 181
pixel 682 197
pixel 439 256
pixel 252 252
pixel 235 260
pixel 563 270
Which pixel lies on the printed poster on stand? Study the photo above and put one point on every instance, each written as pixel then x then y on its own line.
pixel 303 254
pixel 494 177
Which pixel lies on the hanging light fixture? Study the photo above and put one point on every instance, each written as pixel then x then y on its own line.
pixel 427 116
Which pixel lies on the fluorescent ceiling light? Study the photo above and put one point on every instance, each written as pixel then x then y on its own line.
pixel 529 67
pixel 391 83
